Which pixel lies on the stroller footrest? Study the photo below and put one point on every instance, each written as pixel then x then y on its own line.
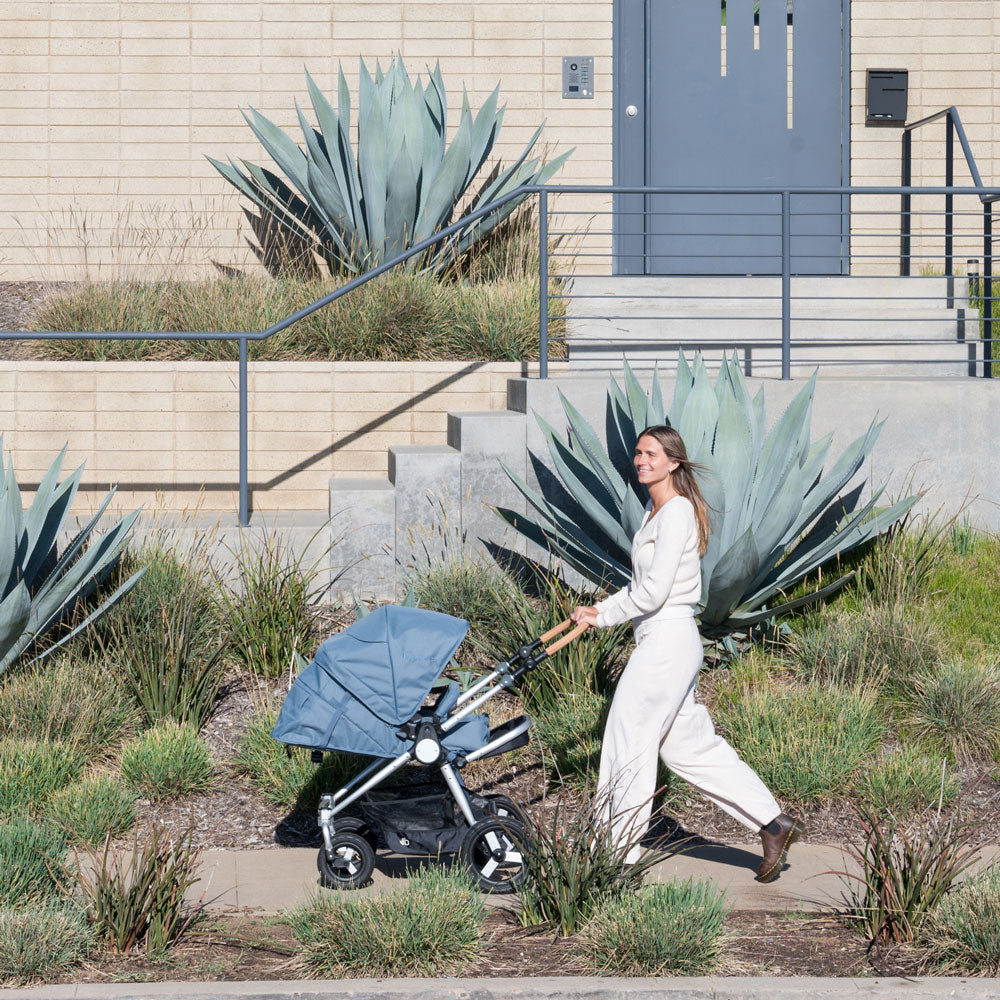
pixel 508 736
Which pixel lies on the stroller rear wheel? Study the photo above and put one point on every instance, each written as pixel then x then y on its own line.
pixel 494 852
pixel 352 864
pixel 504 807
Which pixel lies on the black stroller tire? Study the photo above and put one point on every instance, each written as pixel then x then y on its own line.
pixel 352 865
pixel 352 824
pixel 504 808
pixel 494 852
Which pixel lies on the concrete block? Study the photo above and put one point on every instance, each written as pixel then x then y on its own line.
pixel 363 518
pixel 486 439
pixel 428 484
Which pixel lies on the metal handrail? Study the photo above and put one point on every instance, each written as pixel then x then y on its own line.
pixel 987 196
pixel 953 127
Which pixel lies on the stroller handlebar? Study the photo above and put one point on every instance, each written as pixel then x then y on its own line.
pixel 566 639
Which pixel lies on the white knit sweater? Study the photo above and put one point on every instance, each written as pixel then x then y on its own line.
pixel 666 569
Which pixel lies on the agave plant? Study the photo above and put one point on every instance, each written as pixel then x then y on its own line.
pixel 405 182
pixel 776 515
pixel 42 584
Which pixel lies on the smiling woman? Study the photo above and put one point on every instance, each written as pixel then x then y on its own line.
pixel 654 711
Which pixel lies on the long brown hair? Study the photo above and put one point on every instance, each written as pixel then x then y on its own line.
pixel 683 476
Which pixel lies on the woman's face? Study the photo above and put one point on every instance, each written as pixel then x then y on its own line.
pixel 652 464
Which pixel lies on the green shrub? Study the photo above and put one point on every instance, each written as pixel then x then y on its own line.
pixel 427 928
pixel 40 940
pixel 466 588
pixel 287 776
pixel 135 898
pixel 575 864
pixel 91 809
pixel 32 859
pixel 874 643
pixel 671 929
pixel 964 931
pixel 168 760
pixel 570 732
pixel 907 780
pixel 271 607
pixel 806 743
pixel 75 701
pixel 31 771
pixel 956 708
pixel 906 870
pixel 398 317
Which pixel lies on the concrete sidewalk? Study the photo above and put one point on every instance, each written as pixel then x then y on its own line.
pixel 551 988
pixel 275 879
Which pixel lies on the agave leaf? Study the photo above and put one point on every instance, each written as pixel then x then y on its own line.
pixel 638 405
pixel 732 458
pixel 373 168
pixel 658 414
pixel 701 413
pixel 45 518
pixel 14 611
pixel 446 185
pixel 682 387
pixel 584 436
pixel 726 584
pixel 755 618
pixel 401 203
pixel 484 130
pixel 285 153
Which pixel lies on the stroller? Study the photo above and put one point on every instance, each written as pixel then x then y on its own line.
pixel 365 693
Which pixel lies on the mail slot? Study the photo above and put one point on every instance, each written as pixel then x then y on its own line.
pixel 886 96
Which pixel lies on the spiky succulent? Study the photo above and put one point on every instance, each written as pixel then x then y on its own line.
pixel 776 516
pixel 40 582
pixel 358 209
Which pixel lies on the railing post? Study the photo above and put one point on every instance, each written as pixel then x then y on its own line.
pixel 987 290
pixel 786 284
pixel 949 207
pixel 904 208
pixel 543 284
pixel 244 484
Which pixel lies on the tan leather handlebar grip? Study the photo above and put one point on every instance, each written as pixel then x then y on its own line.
pixel 567 639
pixel 553 632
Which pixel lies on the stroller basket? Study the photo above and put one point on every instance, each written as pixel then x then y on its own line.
pixel 366 692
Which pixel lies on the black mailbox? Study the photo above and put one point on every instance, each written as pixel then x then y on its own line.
pixel 886 96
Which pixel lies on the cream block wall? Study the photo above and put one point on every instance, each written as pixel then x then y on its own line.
pixel 167 432
pixel 109 107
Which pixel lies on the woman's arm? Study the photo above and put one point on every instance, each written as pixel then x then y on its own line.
pixel 585 614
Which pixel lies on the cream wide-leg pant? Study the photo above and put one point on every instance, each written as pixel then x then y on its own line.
pixel 654 712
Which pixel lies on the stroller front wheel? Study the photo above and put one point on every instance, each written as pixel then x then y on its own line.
pixel 352 863
pixel 494 852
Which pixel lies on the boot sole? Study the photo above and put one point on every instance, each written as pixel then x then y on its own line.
pixel 775 870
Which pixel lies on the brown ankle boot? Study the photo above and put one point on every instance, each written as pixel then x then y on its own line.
pixel 775 839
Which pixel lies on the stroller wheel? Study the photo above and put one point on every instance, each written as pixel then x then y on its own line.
pixel 500 805
pixel 494 852
pixel 352 864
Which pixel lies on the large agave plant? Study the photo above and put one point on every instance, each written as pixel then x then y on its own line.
pixel 403 183
pixel 776 515
pixel 41 584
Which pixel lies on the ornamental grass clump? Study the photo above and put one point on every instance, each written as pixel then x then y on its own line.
pixel 40 940
pixel 906 869
pixel 71 701
pixel 287 776
pixel 135 897
pixel 668 929
pixel 32 771
pixel 907 780
pixel 32 861
pixel 955 708
pixel 569 731
pixel 167 761
pixel 807 743
pixel 964 931
pixel 429 928
pixel 575 865
pixel 271 605
pixel 93 808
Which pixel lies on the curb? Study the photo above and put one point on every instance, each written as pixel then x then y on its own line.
pixel 554 988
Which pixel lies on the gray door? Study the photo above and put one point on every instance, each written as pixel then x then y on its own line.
pixel 746 94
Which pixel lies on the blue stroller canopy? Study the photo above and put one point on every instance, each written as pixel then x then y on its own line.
pixel 369 679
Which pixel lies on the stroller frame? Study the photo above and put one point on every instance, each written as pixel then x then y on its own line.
pixel 493 845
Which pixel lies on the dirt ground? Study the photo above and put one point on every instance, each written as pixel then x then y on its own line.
pixel 249 947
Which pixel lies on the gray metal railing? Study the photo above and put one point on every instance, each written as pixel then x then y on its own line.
pixel 544 192
pixel 781 260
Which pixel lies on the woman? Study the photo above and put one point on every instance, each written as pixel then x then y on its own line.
pixel 654 710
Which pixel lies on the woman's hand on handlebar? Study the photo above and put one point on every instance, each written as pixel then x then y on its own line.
pixel 584 615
